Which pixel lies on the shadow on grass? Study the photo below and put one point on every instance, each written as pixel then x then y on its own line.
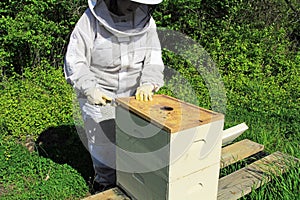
pixel 63 145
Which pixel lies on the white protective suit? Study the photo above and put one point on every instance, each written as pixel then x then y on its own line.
pixel 116 54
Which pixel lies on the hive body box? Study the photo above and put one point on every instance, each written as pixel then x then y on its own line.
pixel 167 149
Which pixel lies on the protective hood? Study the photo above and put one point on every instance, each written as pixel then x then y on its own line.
pixel 142 20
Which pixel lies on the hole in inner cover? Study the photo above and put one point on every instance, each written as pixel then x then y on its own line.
pixel 167 108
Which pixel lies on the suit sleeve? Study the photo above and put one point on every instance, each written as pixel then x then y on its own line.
pixel 78 55
pixel 153 68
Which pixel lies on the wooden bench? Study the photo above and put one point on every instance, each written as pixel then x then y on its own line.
pixel 238 183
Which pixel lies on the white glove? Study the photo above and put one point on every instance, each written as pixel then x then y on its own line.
pixel 95 96
pixel 144 92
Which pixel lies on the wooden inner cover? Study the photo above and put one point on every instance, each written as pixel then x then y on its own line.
pixel 169 113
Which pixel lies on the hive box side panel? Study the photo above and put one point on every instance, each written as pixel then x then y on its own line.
pixel 135 134
pixel 141 186
pixel 200 185
pixel 187 158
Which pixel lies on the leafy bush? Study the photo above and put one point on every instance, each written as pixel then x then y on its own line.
pixel 277 13
pixel 35 101
pixel 193 17
pixel 35 32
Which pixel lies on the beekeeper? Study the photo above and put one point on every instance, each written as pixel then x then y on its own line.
pixel 114 51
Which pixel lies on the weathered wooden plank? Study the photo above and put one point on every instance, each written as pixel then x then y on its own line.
pixel 111 194
pixel 238 151
pixel 241 182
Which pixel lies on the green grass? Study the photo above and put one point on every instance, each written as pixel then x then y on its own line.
pixel 25 175
pixel 34 106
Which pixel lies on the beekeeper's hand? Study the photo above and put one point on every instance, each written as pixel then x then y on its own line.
pixel 144 92
pixel 96 97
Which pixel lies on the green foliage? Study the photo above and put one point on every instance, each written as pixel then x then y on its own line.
pixel 35 32
pixel 25 175
pixel 261 76
pixel 36 101
pixel 193 17
pixel 183 81
pixel 182 15
pixel 264 13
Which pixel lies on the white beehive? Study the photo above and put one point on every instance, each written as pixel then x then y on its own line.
pixel 167 149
